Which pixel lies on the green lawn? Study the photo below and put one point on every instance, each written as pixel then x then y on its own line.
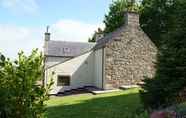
pixel 120 104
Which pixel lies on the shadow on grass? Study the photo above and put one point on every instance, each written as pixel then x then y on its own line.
pixel 105 107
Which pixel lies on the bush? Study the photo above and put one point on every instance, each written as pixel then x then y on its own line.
pixel 143 114
pixel 166 88
pixel 21 95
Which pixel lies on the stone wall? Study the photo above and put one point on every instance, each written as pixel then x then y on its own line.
pixel 130 56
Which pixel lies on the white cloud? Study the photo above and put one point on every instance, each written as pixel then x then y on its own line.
pixel 20 6
pixel 69 30
pixel 16 38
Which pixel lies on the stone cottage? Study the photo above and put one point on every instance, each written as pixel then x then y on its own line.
pixel 123 57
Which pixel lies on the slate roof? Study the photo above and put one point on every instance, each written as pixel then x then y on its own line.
pixel 66 49
pixel 109 38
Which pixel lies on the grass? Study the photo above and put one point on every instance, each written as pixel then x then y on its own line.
pixel 120 104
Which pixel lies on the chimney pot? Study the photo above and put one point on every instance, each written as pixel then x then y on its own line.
pixel 47 34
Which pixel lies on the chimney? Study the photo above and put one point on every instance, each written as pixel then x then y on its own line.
pixel 47 34
pixel 99 36
pixel 131 18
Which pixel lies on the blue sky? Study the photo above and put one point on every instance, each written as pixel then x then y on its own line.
pixel 49 11
pixel 23 22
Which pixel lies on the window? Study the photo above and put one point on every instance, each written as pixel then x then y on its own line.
pixel 66 50
pixel 63 81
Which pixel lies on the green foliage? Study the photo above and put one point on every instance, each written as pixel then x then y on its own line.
pixel 21 95
pixel 180 109
pixel 170 80
pixel 115 18
pixel 143 114
pixel 154 18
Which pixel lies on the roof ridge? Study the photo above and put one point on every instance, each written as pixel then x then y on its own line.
pixel 72 42
pixel 108 37
pixel 62 48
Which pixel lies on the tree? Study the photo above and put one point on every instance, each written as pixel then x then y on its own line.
pixel 21 96
pixel 170 79
pixel 155 19
pixel 115 18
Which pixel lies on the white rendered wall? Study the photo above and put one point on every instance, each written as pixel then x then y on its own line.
pixel 84 74
pixel 81 70
pixel 98 81
pixel 54 60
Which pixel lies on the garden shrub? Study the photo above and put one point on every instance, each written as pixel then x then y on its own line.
pixel 20 94
pixel 166 88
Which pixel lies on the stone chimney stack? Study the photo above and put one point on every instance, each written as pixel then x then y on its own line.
pixel 131 18
pixel 47 34
pixel 99 36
